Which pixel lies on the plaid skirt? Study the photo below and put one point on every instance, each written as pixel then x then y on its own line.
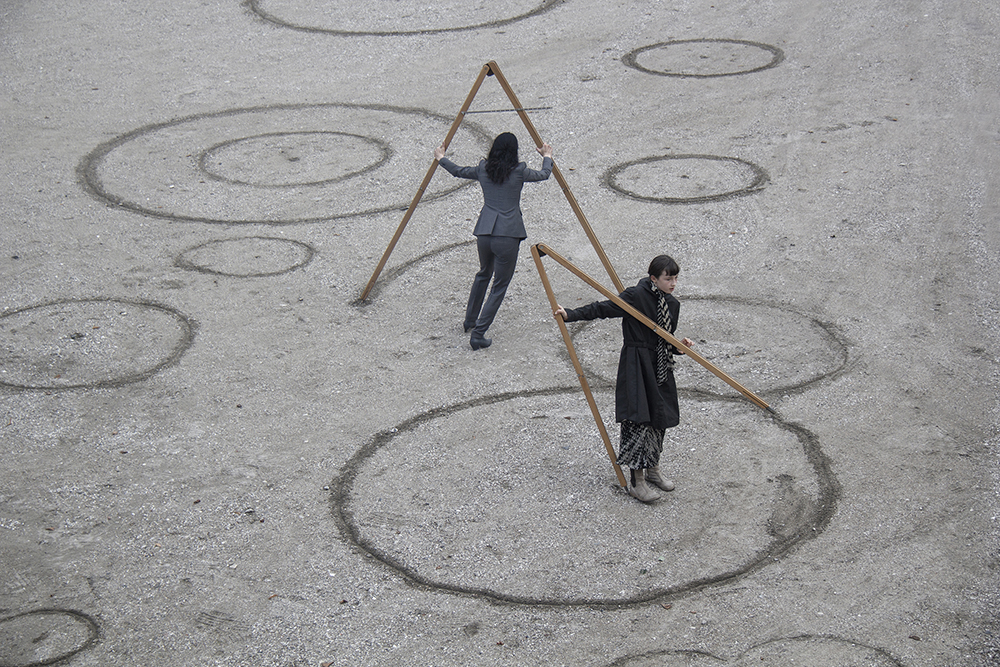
pixel 641 445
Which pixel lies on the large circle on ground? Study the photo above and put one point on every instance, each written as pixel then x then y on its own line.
pixel 768 348
pixel 704 58
pixel 513 497
pixel 248 257
pixel 396 17
pixel 276 165
pixel 282 159
pixel 44 636
pixel 685 179
pixel 812 650
pixel 89 343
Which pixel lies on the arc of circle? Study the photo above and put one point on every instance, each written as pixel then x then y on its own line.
pixel 630 59
pixel 395 272
pixel 91 182
pixel 829 330
pixel 625 660
pixel 807 637
pixel 182 263
pixel 187 339
pixel 340 488
pixel 384 149
pixel 93 632
pixel 760 179
pixel 255 7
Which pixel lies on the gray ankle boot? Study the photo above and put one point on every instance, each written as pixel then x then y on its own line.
pixel 639 489
pixel 654 477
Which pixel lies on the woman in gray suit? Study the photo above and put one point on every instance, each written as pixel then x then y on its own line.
pixel 500 228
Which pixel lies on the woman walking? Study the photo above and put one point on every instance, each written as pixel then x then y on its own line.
pixel 500 228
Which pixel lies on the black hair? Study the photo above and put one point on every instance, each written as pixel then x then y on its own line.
pixel 502 158
pixel 663 264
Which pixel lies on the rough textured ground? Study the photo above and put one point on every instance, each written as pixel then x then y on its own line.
pixel 215 454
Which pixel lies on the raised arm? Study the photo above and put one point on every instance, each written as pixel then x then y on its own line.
pixel 452 168
pixel 534 175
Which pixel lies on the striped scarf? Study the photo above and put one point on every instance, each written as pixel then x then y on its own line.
pixel 664 357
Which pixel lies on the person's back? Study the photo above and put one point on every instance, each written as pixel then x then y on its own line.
pixel 500 227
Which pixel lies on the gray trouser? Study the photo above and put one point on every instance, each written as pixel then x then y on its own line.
pixel 497 259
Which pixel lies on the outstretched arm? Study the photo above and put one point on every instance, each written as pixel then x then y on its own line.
pixel 592 311
pixel 452 168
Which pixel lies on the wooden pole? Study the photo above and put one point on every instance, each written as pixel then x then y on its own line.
pixel 579 370
pixel 427 179
pixel 542 249
pixel 594 241
pixel 492 69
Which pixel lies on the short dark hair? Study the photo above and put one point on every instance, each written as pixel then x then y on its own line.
pixel 663 264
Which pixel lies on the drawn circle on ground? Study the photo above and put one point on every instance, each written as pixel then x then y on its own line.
pixel 158 170
pixel 526 522
pixel 685 179
pixel 433 257
pixel 44 636
pixel 89 343
pixel 770 349
pixel 704 58
pixel 246 257
pixel 395 17
pixel 785 652
pixel 283 159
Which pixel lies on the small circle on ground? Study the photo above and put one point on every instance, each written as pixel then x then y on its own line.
pixel 685 179
pixel 44 636
pixel 396 17
pixel 704 58
pixel 281 159
pixel 89 343
pixel 248 257
pixel 529 510
pixel 276 165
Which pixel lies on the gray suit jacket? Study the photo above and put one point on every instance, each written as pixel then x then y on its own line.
pixel 501 214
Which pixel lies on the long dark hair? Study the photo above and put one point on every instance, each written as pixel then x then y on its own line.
pixel 502 158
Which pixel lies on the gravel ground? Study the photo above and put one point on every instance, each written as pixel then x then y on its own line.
pixel 217 454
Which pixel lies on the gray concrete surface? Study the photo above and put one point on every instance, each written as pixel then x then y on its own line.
pixel 215 455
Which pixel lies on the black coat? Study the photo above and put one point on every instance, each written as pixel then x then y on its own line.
pixel 637 396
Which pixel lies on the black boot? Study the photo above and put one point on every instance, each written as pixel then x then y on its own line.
pixel 477 341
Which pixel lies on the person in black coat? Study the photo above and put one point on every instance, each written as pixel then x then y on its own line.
pixel 500 227
pixel 645 392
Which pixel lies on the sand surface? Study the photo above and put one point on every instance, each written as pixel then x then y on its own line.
pixel 216 454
